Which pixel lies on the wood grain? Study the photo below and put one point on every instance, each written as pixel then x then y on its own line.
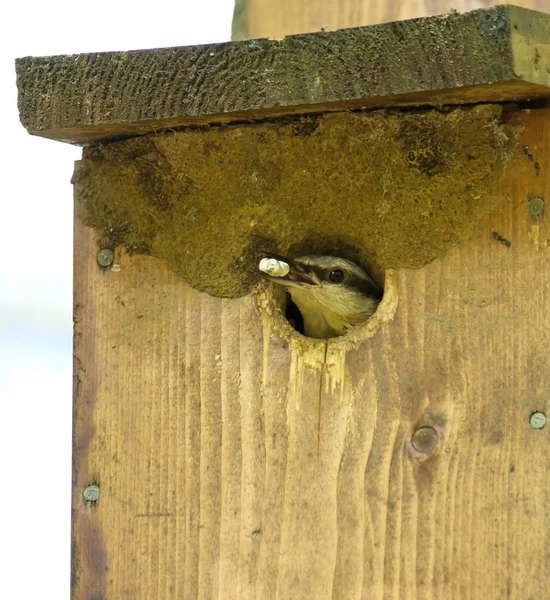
pixel 497 54
pixel 263 18
pixel 200 426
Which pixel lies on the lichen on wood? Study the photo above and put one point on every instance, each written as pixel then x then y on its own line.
pixel 389 188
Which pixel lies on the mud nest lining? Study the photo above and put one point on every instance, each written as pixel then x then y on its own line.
pixel 387 188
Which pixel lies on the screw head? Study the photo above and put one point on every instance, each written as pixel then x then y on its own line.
pixel 537 420
pixel 105 257
pixel 535 207
pixel 91 493
pixel 425 440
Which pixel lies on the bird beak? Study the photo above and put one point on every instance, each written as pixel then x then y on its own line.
pixel 296 276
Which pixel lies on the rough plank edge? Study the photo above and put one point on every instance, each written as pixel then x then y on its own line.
pixel 487 55
pixel 502 92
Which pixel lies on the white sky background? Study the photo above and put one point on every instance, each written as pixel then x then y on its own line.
pixel 36 274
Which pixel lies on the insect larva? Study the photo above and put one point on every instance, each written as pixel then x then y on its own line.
pixel 274 267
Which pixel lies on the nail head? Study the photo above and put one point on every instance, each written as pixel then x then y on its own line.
pixel 91 493
pixel 105 257
pixel 425 440
pixel 537 420
pixel 535 206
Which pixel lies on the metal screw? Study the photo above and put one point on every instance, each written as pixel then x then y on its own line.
pixel 105 257
pixel 537 420
pixel 91 493
pixel 425 440
pixel 535 206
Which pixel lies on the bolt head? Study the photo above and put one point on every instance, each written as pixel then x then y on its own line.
pixel 425 440
pixel 105 257
pixel 537 420
pixel 91 493
pixel 535 206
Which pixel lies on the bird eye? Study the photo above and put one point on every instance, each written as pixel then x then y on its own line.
pixel 336 276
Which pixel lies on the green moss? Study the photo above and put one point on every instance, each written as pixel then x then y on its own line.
pixel 388 188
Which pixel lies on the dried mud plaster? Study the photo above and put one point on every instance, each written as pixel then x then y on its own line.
pixel 392 189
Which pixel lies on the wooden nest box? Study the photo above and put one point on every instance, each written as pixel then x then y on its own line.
pixel 218 453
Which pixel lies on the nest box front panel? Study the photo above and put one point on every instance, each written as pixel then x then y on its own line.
pixel 234 461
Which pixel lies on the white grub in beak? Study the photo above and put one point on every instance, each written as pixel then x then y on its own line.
pixel 285 271
pixel 274 267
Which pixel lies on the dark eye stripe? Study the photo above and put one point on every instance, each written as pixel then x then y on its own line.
pixel 364 286
pixel 369 287
pixel 312 269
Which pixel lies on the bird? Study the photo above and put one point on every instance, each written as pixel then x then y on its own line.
pixel 333 294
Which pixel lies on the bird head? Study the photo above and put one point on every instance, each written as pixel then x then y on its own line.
pixel 333 294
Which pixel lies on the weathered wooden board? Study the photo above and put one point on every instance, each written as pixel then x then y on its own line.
pixel 201 428
pixel 497 54
pixel 258 18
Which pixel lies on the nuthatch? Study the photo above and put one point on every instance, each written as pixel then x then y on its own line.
pixel 333 294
